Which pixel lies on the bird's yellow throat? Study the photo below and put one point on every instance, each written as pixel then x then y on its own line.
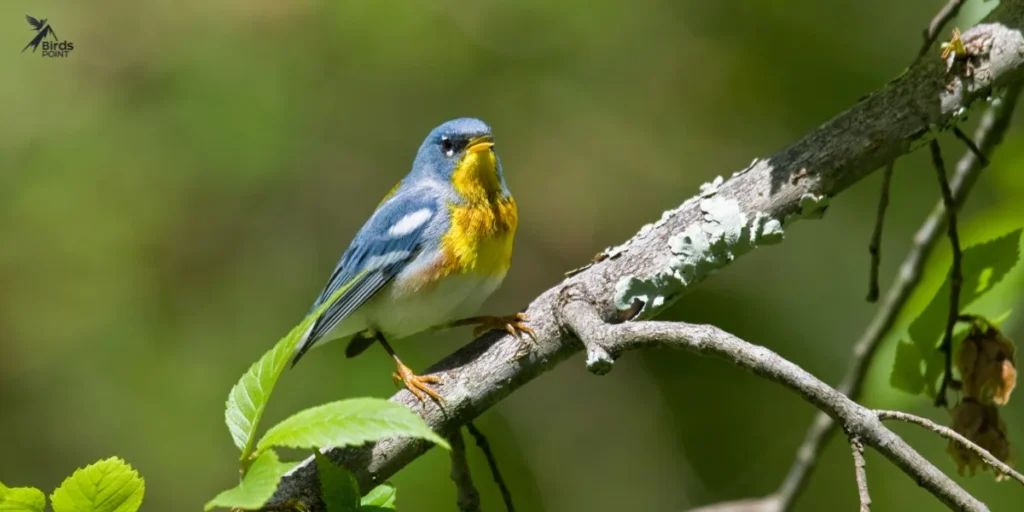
pixel 476 176
pixel 480 238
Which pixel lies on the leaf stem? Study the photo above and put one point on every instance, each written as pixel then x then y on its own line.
pixel 956 273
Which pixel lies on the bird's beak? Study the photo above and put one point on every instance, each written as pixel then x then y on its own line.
pixel 482 143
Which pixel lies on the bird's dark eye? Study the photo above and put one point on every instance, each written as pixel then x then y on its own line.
pixel 447 146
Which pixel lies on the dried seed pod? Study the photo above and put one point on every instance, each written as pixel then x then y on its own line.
pixel 987 364
pixel 981 424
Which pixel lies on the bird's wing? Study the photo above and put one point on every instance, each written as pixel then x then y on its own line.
pixel 34 22
pixel 392 238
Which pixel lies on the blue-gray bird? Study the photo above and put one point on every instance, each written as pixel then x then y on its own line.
pixel 436 247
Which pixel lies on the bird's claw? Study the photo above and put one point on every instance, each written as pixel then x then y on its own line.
pixel 416 384
pixel 512 324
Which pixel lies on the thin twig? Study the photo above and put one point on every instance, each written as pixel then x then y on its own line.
pixel 765 504
pixel 860 468
pixel 875 248
pixel 956 273
pixel 989 135
pixel 953 435
pixel 971 145
pixel 468 499
pixel 948 12
pixel 481 442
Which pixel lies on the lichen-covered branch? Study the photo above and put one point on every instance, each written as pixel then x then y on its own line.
pixel 861 423
pixel 988 136
pixel 727 219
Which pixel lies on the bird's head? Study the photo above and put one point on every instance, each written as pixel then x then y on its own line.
pixel 461 152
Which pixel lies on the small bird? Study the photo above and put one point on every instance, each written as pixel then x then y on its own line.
pixel 438 244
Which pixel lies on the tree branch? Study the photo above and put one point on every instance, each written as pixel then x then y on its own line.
pixel 988 135
pixel 662 261
pixel 861 423
pixel 971 145
pixel 948 12
pixel 952 435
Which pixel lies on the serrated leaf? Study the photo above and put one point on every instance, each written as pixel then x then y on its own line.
pixel 110 485
pixel 919 364
pixel 248 398
pixel 984 265
pixel 347 423
pixel 21 499
pixel 906 369
pixel 914 373
pixel 257 486
pixel 381 497
pixel 338 487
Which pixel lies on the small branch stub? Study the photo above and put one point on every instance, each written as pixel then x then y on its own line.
pixel 860 469
pixel 467 498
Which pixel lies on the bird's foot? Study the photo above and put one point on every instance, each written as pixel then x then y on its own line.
pixel 512 324
pixel 416 384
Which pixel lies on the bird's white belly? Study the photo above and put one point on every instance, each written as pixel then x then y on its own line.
pixel 454 297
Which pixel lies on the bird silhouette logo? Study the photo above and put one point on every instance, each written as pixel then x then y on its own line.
pixel 43 30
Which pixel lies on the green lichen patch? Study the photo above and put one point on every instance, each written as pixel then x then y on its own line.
pixel 702 248
pixel 746 169
pixel 710 189
pixel 766 230
pixel 813 206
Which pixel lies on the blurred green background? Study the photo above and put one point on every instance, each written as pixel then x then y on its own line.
pixel 174 194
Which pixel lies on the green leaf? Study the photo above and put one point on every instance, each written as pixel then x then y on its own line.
pixel 906 370
pixel 338 487
pixel 381 497
pixel 919 364
pixel 110 485
pixel 998 320
pixel 21 499
pixel 347 423
pixel 984 266
pixel 248 398
pixel 914 373
pixel 257 486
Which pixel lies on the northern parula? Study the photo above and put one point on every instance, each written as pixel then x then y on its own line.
pixel 438 244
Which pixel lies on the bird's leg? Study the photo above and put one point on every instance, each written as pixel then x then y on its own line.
pixel 512 324
pixel 416 384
